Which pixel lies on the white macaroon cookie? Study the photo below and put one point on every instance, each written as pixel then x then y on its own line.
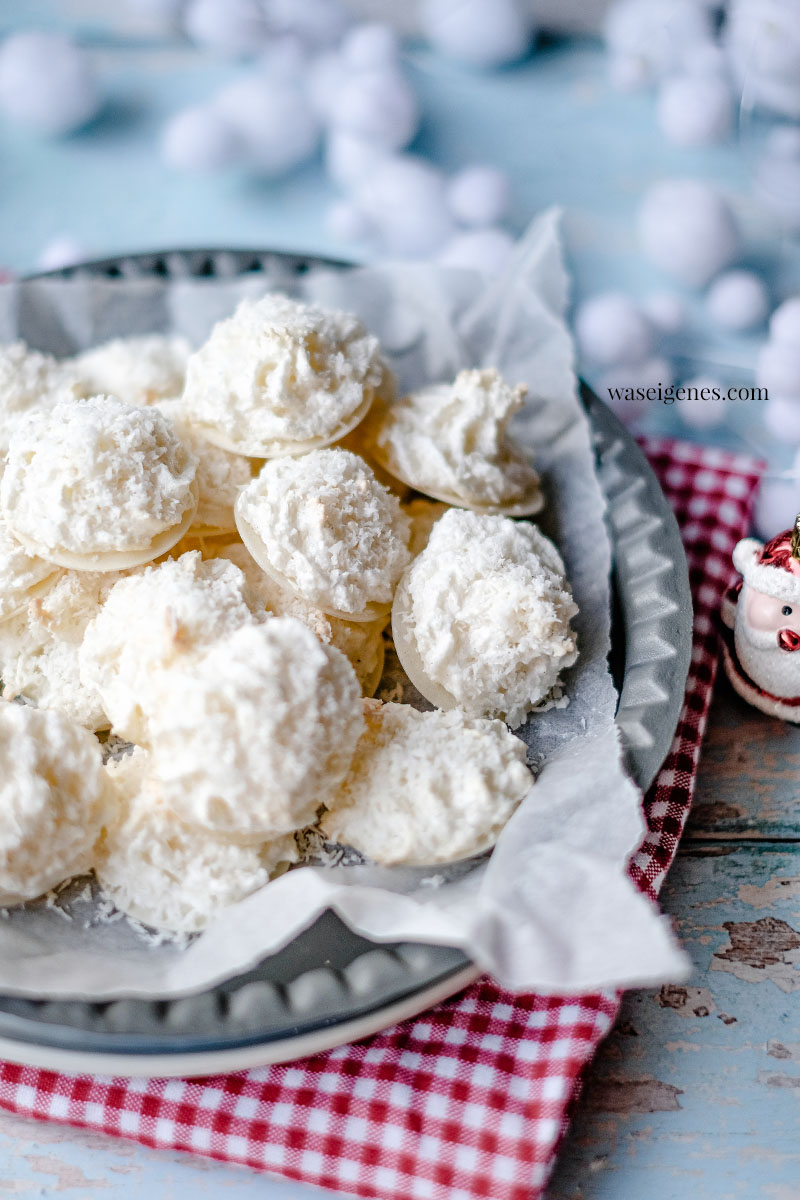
pixel 281 377
pixel 138 370
pixel 97 485
pixel 53 797
pixel 426 788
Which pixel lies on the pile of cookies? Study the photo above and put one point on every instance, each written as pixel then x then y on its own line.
pixel 201 554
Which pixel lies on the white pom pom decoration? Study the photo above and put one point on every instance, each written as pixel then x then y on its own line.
pixel 287 59
pixel 781 415
pixel 324 77
pixel 777 180
pixel 486 250
pixel 350 159
pixel 784 324
pixel 403 198
pixel 763 38
pixel 777 502
pixel 61 251
pixel 233 28
pixel 655 34
pixel 200 139
pixel 368 46
pixel 610 328
pixel 46 83
pixel 666 310
pixel 700 413
pixel 346 222
pixel 778 368
pixel 686 228
pixel 738 300
pixel 478 33
pixel 378 104
pixel 695 110
pixel 479 195
pixel 273 120
pixel 319 23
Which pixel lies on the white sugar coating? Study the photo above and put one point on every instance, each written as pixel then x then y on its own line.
pixel 451 440
pixel 137 370
pixel 361 642
pixel 427 787
pixel 95 475
pixel 784 324
pixel 220 475
pixel 279 371
pixel 255 733
pixel 52 799
pixel 40 647
pixel 28 380
pixel 611 329
pixel 20 573
pixel 168 874
pixel 486 610
pixel 152 622
pixel 328 528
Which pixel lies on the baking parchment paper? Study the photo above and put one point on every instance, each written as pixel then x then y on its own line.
pixel 552 909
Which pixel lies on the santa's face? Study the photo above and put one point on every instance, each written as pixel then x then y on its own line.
pixel 767 634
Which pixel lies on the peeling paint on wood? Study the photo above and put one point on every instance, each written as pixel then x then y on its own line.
pixel 646 1095
pixel 687 1001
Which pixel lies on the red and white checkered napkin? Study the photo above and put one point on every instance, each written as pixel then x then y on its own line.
pixel 471 1099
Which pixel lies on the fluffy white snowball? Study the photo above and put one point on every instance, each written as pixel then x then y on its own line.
pixel 286 58
pixel 666 310
pixel 200 139
pixel 346 222
pixel 612 329
pixel 274 121
pixel 234 28
pixel 706 58
pixel 738 300
pixel 480 33
pixel 378 104
pixel 319 23
pixel 763 37
pixel 325 74
pixel 486 250
pixel 61 251
pixel 777 503
pixel 655 34
pixel 695 110
pixel 700 413
pixel 351 159
pixel 778 368
pixel 479 195
pixel 781 415
pixel 46 82
pixel 371 45
pixel 784 324
pixel 686 228
pixel 403 198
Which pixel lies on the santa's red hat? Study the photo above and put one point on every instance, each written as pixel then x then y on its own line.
pixel 774 567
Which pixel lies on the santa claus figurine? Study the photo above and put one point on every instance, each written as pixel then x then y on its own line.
pixel 761 643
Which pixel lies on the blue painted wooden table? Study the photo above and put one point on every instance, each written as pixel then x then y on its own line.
pixel 696 1092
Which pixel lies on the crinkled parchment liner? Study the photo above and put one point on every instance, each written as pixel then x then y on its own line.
pixel 552 909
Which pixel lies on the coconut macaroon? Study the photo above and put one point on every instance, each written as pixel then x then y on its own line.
pixel 481 618
pixel 280 377
pixel 22 575
pixel 220 475
pixel 427 787
pixel 40 647
pixel 52 800
pixel 97 484
pixel 29 380
pixel 451 442
pixel 167 874
pixel 257 731
pixel 361 642
pixel 328 530
pixel 138 370
pixel 154 621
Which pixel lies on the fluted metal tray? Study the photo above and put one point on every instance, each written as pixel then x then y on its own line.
pixel 330 986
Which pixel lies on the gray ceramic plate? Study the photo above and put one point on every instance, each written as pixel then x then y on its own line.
pixel 330 986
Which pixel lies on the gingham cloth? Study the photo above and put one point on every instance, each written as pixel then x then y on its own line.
pixel 471 1099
